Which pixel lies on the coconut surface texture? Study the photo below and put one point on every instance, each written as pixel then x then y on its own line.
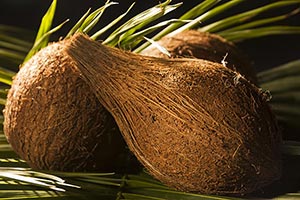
pixel 207 46
pixel 54 121
pixel 195 125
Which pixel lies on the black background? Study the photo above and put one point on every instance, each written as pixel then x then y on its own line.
pixel 265 52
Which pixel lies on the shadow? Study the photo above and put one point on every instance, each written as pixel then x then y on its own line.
pixel 289 182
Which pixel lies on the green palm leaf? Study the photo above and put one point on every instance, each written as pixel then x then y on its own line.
pixel 243 17
pixel 91 20
pixel 284 83
pixel 42 38
pixel 138 22
pixel 14 45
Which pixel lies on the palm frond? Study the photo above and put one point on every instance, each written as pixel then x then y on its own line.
pixel 14 45
pixel 260 22
pixel 41 39
pixel 284 70
pixel 244 17
pixel 40 43
pixel 235 28
pixel 6 76
pixel 291 148
pixel 138 22
pixel 91 20
pixel 25 193
pixel 15 57
pixel 238 36
pixel 189 15
pixel 16 35
pixel 284 83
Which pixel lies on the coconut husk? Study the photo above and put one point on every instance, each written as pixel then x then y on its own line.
pixel 204 45
pixel 194 124
pixel 54 121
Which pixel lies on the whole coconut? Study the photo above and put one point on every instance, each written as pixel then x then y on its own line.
pixel 194 124
pixel 54 121
pixel 207 46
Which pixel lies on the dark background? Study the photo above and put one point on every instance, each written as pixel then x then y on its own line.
pixel 265 52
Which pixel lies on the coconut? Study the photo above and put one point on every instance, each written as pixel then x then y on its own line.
pixel 54 121
pixel 196 125
pixel 204 45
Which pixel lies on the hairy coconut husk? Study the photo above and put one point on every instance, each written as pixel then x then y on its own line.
pixel 207 46
pixel 194 124
pixel 54 121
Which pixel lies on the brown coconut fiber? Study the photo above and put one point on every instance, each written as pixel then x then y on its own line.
pixel 54 121
pixel 207 46
pixel 194 124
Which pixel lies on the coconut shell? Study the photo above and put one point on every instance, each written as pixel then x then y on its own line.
pixel 194 124
pixel 204 45
pixel 54 121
